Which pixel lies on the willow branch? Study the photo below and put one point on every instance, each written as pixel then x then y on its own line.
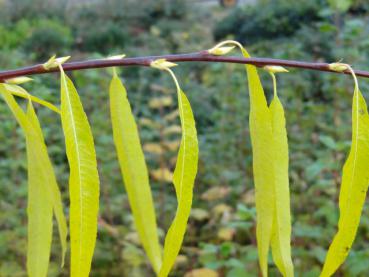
pixel 202 56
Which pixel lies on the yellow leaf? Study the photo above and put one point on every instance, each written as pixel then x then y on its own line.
pixel 162 64
pixel 153 148
pixel 221 209
pixel 134 238
pixel 183 179
pixel 134 170
pixel 21 92
pixel 249 197
pixel 281 231
pixel 18 80
pixel 270 167
pixel 181 261
pixel 215 193
pixel 39 213
pixel 83 179
pixel 160 88
pixel 54 62
pixel 219 51
pixel 172 145
pixel 148 123
pixel 160 102
pixel 202 272
pixel 51 185
pixel 199 214
pixel 261 134
pixel 226 234
pixel 171 116
pixel 174 129
pixel 354 186
pixel 43 192
pixel 275 69
pixel 162 174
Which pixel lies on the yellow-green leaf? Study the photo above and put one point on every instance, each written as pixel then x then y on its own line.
pixel 281 231
pixel 262 149
pixel 39 213
pixel 43 192
pixel 21 92
pixel 134 171
pixel 83 179
pixel 39 206
pixel 183 179
pixel 270 167
pixel 51 185
pixel 355 180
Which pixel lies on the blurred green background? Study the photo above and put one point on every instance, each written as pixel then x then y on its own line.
pixel 221 230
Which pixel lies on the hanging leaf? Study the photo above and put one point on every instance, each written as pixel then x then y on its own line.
pixel 281 231
pixel 21 92
pixel 83 179
pixel 262 149
pixel 51 184
pixel 39 205
pixel 134 171
pixel 355 181
pixel 43 192
pixel 183 179
pixel 270 167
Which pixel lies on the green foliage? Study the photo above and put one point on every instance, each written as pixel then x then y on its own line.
pixel 13 37
pixel 276 21
pixel 47 36
pixel 104 38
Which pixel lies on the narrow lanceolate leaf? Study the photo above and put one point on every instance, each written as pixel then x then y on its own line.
pixel 50 183
pixel 39 206
pixel 134 171
pixel 281 231
pixel 83 179
pixel 355 180
pixel 183 179
pixel 21 92
pixel 261 133
pixel 39 213
pixel 43 192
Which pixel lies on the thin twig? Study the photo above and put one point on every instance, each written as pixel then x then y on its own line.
pixel 202 56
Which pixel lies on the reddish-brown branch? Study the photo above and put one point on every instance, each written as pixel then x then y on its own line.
pixel 202 56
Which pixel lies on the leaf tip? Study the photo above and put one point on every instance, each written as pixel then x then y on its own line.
pixel 162 64
pixel 275 69
pixel 219 51
pixel 18 80
pixel 338 67
pixel 55 62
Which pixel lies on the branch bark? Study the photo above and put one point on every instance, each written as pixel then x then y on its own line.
pixel 202 56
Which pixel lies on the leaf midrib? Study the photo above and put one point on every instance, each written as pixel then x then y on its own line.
pixel 79 167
